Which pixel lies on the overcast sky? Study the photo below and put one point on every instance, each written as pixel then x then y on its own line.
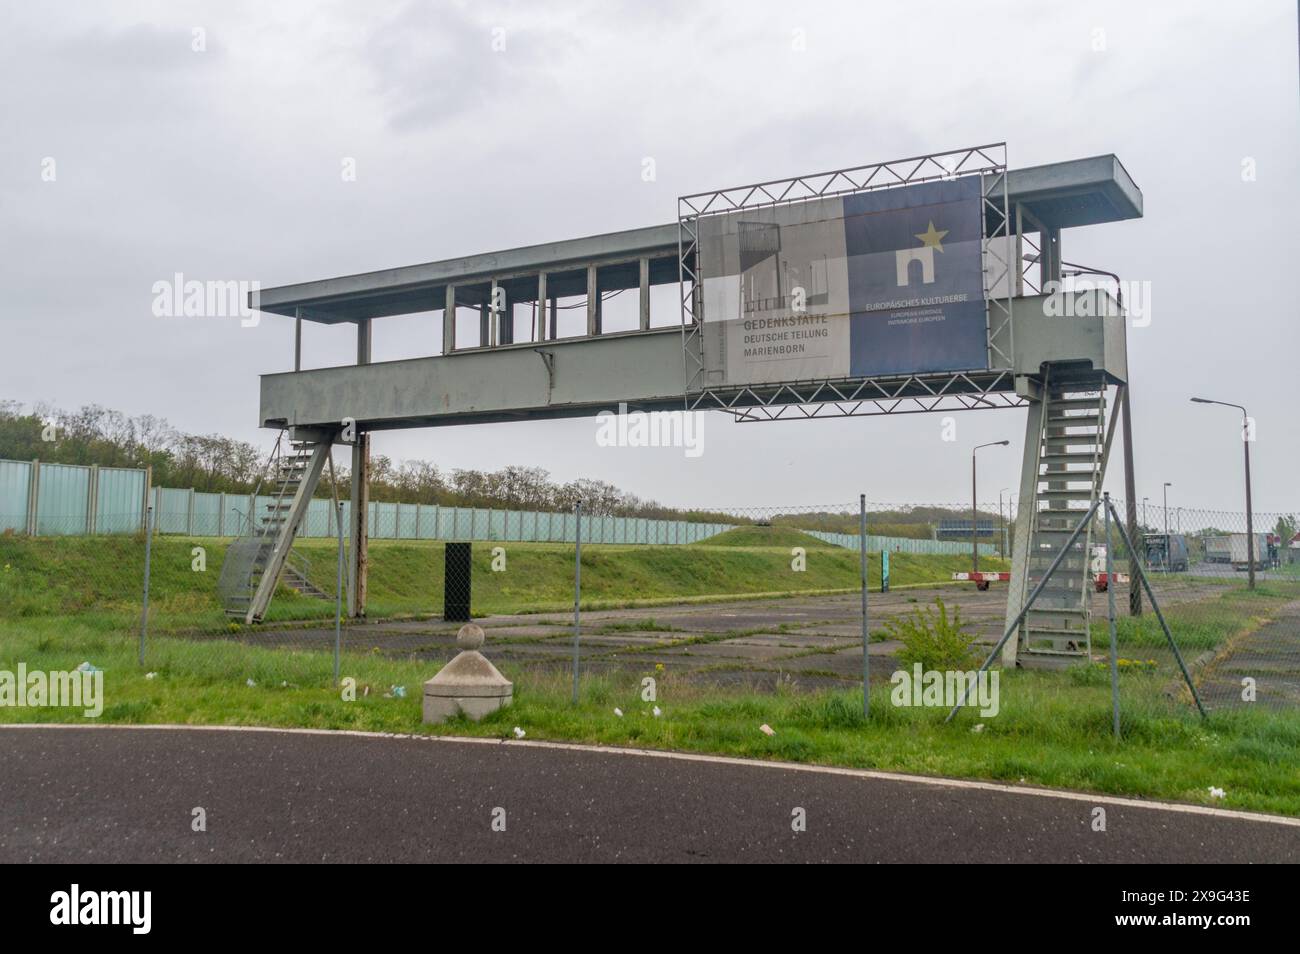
pixel 224 164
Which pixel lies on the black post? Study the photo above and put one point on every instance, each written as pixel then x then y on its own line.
pixel 456 582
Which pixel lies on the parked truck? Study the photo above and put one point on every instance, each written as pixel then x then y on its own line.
pixel 1234 548
pixel 1166 551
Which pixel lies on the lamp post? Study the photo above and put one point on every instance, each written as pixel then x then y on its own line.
pixel 1166 492
pixel 1002 525
pixel 974 505
pixel 1250 521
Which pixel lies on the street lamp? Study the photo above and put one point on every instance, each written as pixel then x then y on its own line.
pixel 1250 521
pixel 1002 535
pixel 974 505
pixel 1166 492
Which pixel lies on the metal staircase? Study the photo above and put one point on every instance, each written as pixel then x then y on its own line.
pixel 1071 464
pixel 255 561
pixel 297 577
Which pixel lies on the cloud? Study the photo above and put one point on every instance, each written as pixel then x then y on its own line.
pixel 434 62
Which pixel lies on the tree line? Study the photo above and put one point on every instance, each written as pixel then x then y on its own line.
pixel 211 463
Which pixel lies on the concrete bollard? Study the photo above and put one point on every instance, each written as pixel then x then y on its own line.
pixel 468 684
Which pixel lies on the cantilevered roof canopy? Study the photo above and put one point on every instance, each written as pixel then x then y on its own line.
pixel 1059 195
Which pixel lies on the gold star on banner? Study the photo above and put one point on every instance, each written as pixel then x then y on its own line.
pixel 932 238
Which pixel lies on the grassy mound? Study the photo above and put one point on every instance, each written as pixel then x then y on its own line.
pixel 102 577
pixel 783 537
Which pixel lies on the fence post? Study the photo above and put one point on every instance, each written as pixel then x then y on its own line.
pixel 866 636
pixel 577 591
pixel 1110 617
pixel 148 553
pixel 144 500
pixel 92 495
pixel 338 591
pixel 33 497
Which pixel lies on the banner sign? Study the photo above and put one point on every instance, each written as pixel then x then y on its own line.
pixel 888 282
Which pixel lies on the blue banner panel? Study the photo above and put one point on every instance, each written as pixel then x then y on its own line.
pixel 916 278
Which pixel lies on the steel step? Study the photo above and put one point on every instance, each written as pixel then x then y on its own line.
pixel 1057 611
pixel 1082 457
pixel 1066 493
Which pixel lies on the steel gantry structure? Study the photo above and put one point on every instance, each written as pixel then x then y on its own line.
pixel 502 353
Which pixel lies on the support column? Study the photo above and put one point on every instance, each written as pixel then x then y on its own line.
pixel 539 333
pixel 363 341
pixel 555 318
pixel 1050 257
pixel 359 526
pixel 505 319
pixel 484 326
pixel 449 321
pixel 1018 588
pixel 359 531
pixel 1018 274
pixel 297 339
pixel 645 294
pixel 495 293
pixel 593 303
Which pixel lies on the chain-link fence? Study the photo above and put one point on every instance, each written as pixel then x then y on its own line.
pixel 1228 588
pixel 728 601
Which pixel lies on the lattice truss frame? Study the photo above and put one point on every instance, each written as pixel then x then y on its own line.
pixel 988 388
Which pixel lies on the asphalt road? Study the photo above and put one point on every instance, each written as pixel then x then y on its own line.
pixel 121 794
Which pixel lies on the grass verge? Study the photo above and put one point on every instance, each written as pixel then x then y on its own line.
pixel 1053 728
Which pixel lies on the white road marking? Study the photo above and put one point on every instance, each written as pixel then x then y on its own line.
pixel 1092 799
